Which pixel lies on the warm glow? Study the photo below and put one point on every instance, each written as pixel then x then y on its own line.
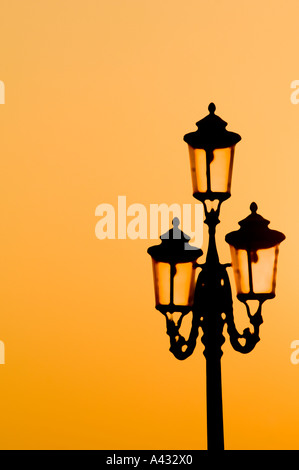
pixel 258 275
pixel 161 282
pixel 221 167
pixel 198 169
pixel 212 173
pixel 240 267
pixel 182 285
pixel 263 265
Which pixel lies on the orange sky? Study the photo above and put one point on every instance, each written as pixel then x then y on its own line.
pixel 98 97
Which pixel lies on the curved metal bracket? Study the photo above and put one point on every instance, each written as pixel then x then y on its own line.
pixel 179 346
pixel 250 338
pixel 243 342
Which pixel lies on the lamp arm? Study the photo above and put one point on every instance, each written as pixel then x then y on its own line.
pixel 179 346
pixel 251 338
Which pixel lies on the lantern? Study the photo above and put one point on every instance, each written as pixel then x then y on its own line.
pixel 254 251
pixel 174 271
pixel 211 150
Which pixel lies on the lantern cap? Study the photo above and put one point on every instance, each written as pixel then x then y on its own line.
pixel 211 133
pixel 175 247
pixel 254 233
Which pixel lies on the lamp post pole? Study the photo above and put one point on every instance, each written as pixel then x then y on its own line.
pixel 211 294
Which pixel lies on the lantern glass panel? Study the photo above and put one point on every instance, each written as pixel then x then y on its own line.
pixel 264 268
pixel 255 271
pixel 198 169
pixel 240 268
pixel 162 282
pixel 212 171
pixel 221 168
pixel 184 284
pixel 181 287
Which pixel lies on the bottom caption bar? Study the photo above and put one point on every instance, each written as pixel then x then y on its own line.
pixel 142 459
pixel 184 458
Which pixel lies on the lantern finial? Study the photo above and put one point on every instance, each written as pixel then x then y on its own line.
pixel 176 222
pixel 212 108
pixel 253 207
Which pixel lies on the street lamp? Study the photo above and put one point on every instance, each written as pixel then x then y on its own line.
pixel 174 271
pixel 211 150
pixel 254 251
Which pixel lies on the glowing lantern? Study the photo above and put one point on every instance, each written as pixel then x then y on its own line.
pixel 254 251
pixel 174 271
pixel 211 150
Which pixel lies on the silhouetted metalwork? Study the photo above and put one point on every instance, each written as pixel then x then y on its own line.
pixel 210 299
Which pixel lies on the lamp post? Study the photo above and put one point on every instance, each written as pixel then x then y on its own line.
pixel 254 252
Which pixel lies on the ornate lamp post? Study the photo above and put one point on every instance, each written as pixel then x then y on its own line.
pixel 254 250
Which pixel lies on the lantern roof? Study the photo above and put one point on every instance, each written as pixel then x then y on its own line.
pixel 254 233
pixel 211 133
pixel 175 247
